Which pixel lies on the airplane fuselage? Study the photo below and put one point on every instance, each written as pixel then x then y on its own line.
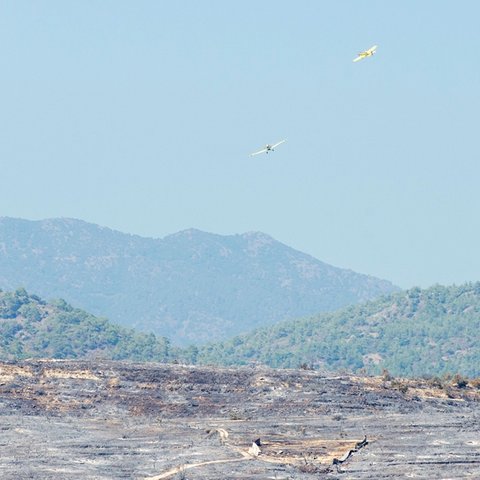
pixel 268 148
pixel 366 54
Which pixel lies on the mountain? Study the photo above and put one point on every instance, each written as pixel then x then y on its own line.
pixel 191 286
pixel 414 333
pixel 33 328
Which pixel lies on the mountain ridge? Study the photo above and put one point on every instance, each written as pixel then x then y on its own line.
pixel 189 286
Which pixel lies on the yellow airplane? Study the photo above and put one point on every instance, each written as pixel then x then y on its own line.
pixel 365 53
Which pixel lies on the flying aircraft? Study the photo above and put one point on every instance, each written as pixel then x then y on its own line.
pixel 365 53
pixel 268 148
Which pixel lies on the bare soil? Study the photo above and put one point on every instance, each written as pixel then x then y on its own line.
pixel 118 420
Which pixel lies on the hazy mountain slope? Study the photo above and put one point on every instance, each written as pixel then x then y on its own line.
pixel 414 333
pixel 33 328
pixel 191 286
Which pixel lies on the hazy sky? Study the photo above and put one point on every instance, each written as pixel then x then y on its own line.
pixel 140 115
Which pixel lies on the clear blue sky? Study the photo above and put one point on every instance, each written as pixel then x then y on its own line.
pixel 140 115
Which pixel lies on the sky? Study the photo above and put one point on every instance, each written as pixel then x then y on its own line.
pixel 141 115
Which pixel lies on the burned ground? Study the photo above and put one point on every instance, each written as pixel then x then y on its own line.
pixel 118 420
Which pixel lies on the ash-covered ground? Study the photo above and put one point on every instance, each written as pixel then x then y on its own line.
pixel 118 420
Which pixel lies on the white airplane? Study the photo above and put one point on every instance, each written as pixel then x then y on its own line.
pixel 268 148
pixel 366 53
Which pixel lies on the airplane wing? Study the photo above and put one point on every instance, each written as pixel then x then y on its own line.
pixel 279 143
pixel 365 53
pixel 263 150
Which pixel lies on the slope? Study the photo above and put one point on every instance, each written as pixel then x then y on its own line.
pixel 413 333
pixel 192 286
pixel 33 328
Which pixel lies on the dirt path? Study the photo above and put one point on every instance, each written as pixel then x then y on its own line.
pixel 188 466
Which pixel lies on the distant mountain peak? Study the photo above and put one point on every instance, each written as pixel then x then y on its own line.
pixel 257 241
pixel 189 233
pixel 256 234
pixel 191 286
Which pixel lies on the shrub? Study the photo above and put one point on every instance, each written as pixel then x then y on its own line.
pixel 400 386
pixel 435 382
pixel 459 381
pixel 386 375
pixel 475 383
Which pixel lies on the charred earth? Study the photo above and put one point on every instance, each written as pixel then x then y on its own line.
pixel 118 420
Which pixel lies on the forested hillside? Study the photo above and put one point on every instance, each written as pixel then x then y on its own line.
pixel 33 328
pixel 191 287
pixel 412 333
